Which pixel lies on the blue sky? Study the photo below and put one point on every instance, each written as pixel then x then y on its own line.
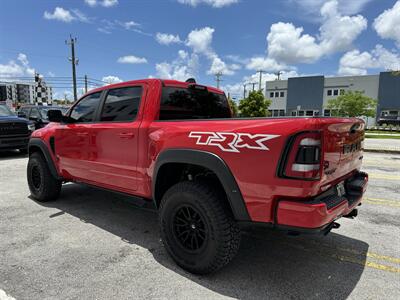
pixel 131 39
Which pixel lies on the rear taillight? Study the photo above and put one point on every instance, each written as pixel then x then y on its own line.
pixel 303 160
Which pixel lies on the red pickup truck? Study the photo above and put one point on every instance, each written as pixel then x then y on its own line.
pixel 175 146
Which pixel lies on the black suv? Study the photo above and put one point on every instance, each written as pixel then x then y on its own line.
pixel 14 131
pixel 38 114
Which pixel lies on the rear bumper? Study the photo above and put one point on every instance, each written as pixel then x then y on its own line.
pixel 14 142
pixel 320 212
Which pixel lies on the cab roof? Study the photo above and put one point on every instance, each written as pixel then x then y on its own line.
pixel 164 82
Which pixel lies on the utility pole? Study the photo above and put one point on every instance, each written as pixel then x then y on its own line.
pixel 85 84
pixel 73 61
pixel 253 83
pixel 260 80
pixel 244 90
pixel 278 75
pixel 218 78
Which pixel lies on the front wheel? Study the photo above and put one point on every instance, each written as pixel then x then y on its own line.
pixel 197 229
pixel 42 184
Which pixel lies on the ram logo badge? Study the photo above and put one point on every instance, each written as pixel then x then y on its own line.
pixel 232 142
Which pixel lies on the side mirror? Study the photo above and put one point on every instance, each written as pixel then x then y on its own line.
pixel 21 114
pixel 55 115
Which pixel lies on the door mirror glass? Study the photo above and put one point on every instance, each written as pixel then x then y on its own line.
pixel 55 115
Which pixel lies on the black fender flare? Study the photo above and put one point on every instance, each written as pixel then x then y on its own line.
pixel 212 162
pixel 36 142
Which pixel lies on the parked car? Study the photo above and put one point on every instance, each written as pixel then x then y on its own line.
pixel 389 117
pixel 14 131
pixel 175 147
pixel 38 114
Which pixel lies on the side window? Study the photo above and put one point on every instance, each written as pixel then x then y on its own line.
pixel 85 110
pixel 34 113
pixel 121 104
pixel 25 110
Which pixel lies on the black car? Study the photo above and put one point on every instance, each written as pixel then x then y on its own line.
pixel 14 131
pixel 38 114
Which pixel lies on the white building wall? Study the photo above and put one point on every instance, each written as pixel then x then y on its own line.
pixel 276 91
pixel 369 84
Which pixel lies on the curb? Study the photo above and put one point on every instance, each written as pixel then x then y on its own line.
pixel 388 151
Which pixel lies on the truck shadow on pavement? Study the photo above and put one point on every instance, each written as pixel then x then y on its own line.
pixel 269 264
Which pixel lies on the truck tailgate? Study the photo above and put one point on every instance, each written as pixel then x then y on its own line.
pixel 343 147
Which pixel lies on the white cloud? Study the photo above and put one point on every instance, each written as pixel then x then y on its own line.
pixel 200 40
pixel 167 39
pixel 312 7
pixel 338 32
pixel 67 16
pixel 131 59
pixel 357 63
pixel 15 69
pixel 262 63
pixel 104 3
pixel 213 3
pixel 182 68
pixel 80 16
pixel 107 26
pixel 91 2
pixel 387 24
pixel 59 14
pixel 110 79
pixel 288 44
pixel 130 25
pixel 218 66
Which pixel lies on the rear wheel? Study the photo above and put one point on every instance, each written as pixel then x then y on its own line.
pixel 42 184
pixel 197 229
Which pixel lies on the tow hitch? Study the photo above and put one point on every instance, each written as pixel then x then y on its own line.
pixel 352 214
pixel 331 226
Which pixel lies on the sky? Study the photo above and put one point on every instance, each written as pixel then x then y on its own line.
pixel 120 40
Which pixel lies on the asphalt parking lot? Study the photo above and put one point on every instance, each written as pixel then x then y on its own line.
pixel 92 244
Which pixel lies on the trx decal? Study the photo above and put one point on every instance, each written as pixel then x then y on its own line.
pixel 232 142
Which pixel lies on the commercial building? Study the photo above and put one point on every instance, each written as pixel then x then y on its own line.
pixel 308 96
pixel 25 92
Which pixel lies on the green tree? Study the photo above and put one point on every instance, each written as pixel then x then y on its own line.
pixel 255 105
pixel 353 104
pixel 234 107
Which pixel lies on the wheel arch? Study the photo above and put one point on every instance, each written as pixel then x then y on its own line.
pixel 37 145
pixel 209 161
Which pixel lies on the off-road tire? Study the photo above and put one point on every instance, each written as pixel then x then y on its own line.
pixel 46 187
pixel 223 235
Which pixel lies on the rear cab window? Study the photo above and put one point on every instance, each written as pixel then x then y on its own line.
pixel 194 102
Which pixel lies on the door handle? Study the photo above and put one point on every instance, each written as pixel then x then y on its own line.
pixel 82 134
pixel 126 135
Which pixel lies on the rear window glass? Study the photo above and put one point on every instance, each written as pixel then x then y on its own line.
pixel 192 103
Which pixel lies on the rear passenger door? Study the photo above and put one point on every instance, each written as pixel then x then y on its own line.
pixel 115 139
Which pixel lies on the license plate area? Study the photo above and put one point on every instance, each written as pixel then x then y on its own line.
pixel 340 189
